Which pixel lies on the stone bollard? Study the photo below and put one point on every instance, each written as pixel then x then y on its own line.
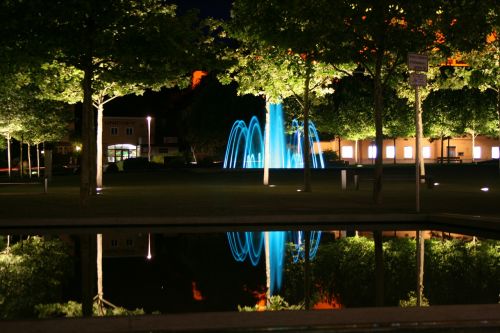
pixel 343 178
pixel 356 182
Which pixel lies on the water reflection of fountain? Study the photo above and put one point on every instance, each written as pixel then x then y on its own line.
pixel 250 245
pixel 245 148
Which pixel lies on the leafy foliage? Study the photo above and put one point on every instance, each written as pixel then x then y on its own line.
pixel 411 300
pixel 276 303
pixel 32 272
pixel 459 272
pixel 458 112
pixel 455 272
pixel 341 271
pixel 348 112
pixel 74 309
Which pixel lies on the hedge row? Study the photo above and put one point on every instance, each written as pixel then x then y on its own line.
pixel 455 272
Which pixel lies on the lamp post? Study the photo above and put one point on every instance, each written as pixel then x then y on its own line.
pixel 148 118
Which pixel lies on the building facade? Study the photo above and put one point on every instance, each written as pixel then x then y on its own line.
pixel 126 137
pixel 131 137
pixel 453 150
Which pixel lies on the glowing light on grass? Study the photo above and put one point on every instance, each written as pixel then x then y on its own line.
pixel 485 189
pixel 245 148
pixel 149 256
pixel 249 245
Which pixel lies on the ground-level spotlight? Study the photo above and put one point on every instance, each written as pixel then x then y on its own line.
pixel 436 184
pixel 272 185
pixel 299 190
pixel 149 247
pixel 485 189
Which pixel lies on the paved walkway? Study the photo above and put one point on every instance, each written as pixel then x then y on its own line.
pixel 473 225
pixel 455 318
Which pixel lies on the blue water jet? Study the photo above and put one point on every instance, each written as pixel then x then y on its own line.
pixel 245 148
pixel 245 245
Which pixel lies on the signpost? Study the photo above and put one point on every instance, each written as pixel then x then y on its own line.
pixel 418 63
pixel 418 80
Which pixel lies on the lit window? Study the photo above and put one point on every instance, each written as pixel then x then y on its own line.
pixel 372 151
pixel 347 152
pixel 408 152
pixel 477 152
pixel 426 152
pixel 114 130
pixel 129 131
pixel 495 152
pixel 390 152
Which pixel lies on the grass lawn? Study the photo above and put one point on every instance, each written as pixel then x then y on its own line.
pixel 215 192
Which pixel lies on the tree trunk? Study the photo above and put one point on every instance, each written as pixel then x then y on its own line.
pixel 100 293
pixel 379 268
pixel 307 270
pixel 9 165
pixel 448 151
pixel 307 149
pixel 356 151
pixel 420 267
pixel 47 163
pixel 473 144
pixel 267 248
pixel 442 149
pixel 340 150
pixel 498 113
pixel 394 140
pixel 29 159
pixel 21 169
pixel 87 252
pixel 86 179
pixel 379 138
pixel 38 160
pixel 100 111
pixel 267 143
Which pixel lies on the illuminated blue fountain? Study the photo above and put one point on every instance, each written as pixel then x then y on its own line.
pixel 250 245
pixel 245 148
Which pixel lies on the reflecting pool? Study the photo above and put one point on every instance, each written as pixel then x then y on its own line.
pixel 165 272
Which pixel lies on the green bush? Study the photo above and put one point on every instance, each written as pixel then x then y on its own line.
pixel 32 272
pixel 344 270
pixel 411 300
pixel 455 272
pixel 112 168
pixel 174 161
pixel 139 164
pixel 276 303
pixel 56 310
pixel 458 272
pixel 74 309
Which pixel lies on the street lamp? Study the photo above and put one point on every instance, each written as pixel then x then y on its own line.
pixel 149 138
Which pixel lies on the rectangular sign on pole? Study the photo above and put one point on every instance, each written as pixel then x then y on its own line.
pixel 418 80
pixel 418 62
